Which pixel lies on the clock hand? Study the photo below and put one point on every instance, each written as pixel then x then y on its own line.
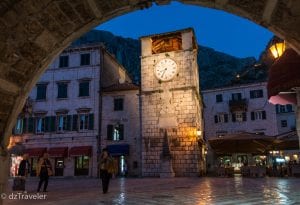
pixel 163 73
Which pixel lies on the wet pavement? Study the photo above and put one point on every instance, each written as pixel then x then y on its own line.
pixel 136 191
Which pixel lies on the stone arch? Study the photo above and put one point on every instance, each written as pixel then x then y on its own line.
pixel 33 32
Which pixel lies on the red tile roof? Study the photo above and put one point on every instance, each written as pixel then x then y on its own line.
pixel 120 87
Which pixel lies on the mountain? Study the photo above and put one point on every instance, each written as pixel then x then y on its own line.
pixel 216 69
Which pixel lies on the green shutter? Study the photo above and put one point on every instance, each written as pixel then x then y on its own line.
pixel 25 130
pixel 47 124
pixel 75 124
pixel 13 132
pixel 31 125
pixel 252 116
pixel 264 115
pixel 121 131
pixel 226 117
pixel 91 121
pixel 233 117
pixel 69 120
pixel 216 119
pixel 244 116
pixel 110 129
pixel 53 124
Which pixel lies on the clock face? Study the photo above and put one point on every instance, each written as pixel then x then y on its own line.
pixel 166 69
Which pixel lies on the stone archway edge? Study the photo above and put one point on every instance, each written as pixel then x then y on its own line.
pixel 35 32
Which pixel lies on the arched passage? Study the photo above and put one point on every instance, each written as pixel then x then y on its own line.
pixel 33 32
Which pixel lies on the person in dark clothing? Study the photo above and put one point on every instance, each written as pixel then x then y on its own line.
pixel 24 167
pixel 105 162
pixel 24 170
pixel 44 170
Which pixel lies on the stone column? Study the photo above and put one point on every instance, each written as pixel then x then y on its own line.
pixel 4 171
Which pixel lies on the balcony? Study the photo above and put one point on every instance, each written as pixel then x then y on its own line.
pixel 240 105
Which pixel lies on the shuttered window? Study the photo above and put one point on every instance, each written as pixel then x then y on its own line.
pixel 239 117
pixel 118 104
pixel 115 132
pixel 63 61
pixel 41 91
pixel 91 121
pixel 31 125
pixel 221 118
pixel 219 98
pixel 258 115
pixel 110 129
pixel 40 125
pixel 256 94
pixel 62 90
pixel 84 88
pixel 75 123
pixel 19 126
pixel 85 59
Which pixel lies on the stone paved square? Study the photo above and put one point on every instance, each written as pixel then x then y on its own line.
pixel 135 191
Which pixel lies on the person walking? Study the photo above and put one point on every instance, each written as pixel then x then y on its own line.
pixel 23 171
pixel 106 166
pixel 44 170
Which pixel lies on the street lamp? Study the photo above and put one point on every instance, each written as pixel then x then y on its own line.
pixel 199 133
pixel 277 47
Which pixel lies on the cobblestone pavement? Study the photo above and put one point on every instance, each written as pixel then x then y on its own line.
pixel 136 191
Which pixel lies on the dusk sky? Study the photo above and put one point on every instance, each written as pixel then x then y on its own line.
pixel 216 29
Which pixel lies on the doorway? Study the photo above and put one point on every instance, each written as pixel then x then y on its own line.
pixel 59 166
pixel 82 166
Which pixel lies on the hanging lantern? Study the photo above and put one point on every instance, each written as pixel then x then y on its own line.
pixel 277 47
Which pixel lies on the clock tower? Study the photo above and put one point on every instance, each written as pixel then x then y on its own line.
pixel 171 106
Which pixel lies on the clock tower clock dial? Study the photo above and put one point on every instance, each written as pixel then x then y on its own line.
pixel 166 69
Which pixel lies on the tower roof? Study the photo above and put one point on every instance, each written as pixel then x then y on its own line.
pixel 170 33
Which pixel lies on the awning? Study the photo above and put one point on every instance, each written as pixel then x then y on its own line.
pixel 58 152
pixel 81 151
pixel 243 142
pixel 284 99
pixel 286 141
pixel 284 75
pixel 36 152
pixel 118 149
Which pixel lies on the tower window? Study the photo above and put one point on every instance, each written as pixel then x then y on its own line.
pixel 219 98
pixel 85 59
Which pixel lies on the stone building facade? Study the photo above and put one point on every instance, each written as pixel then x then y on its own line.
pixel 171 109
pixel 121 126
pixel 62 115
pixel 244 108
